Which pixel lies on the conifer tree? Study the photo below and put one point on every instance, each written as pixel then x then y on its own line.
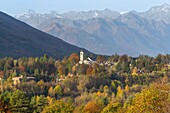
pixel 19 102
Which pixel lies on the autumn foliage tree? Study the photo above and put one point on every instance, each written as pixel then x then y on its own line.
pixel 92 107
pixel 112 108
pixel 153 100
pixel 74 58
pixel 90 71
pixel 4 108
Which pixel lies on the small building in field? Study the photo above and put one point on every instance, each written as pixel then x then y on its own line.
pixel 18 80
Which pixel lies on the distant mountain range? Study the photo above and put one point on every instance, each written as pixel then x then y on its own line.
pixel 18 39
pixel 108 32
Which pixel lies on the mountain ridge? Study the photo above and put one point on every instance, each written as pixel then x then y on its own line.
pixel 131 33
pixel 85 15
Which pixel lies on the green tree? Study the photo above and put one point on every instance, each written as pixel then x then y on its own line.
pixel 82 69
pixel 36 72
pixel 38 103
pixel 59 107
pixel 4 102
pixel 14 74
pixel 58 91
pixel 19 102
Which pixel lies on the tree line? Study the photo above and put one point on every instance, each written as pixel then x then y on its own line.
pixel 118 83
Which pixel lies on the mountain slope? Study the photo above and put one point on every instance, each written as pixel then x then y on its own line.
pixel 17 39
pixel 131 33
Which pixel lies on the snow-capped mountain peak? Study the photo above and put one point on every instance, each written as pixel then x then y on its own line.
pixel 162 8
pixel 165 8
pixel 158 13
pixel 72 15
pixel 165 5
pixel 31 11
pixel 95 14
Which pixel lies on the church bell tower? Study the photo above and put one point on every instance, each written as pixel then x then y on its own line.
pixel 81 57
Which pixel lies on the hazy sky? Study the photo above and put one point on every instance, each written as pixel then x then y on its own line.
pixel 13 7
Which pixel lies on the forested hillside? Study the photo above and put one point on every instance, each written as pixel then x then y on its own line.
pixel 18 39
pixel 118 84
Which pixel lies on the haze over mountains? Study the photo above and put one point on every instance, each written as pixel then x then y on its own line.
pixel 18 39
pixel 109 32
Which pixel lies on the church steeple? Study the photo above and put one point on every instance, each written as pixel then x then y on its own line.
pixel 81 57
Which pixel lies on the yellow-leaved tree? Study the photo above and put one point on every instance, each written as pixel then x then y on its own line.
pixel 151 100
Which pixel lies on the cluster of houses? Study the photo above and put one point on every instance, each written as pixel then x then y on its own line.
pixel 89 61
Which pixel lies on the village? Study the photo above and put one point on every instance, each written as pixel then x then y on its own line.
pixel 107 64
pixel 88 61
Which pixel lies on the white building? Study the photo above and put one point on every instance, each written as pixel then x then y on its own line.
pixel 81 57
pixel 86 61
pixel 17 80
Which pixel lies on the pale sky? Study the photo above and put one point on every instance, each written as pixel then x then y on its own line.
pixel 13 7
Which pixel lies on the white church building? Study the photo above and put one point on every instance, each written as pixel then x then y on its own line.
pixel 86 61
